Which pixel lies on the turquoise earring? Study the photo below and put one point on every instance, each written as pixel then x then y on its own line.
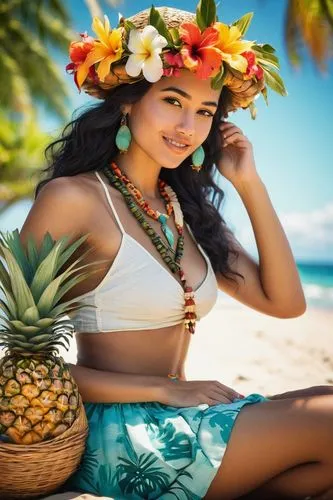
pixel 124 136
pixel 198 157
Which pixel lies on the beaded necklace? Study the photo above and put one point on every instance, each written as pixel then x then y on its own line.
pixel 119 180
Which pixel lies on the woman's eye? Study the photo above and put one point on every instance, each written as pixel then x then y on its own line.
pixel 171 100
pixel 204 112
pixel 209 114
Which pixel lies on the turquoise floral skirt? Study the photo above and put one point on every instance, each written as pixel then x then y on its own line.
pixel 150 450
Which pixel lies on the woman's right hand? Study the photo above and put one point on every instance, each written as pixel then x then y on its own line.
pixel 181 393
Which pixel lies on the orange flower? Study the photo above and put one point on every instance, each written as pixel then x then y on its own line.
pixel 78 52
pixel 199 52
pixel 106 50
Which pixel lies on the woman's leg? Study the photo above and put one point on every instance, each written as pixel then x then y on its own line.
pixel 316 390
pixel 269 440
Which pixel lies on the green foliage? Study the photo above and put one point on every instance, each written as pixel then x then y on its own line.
pixel 156 20
pixel 205 13
pixel 27 29
pixel 21 156
pixel 32 313
pixel 244 22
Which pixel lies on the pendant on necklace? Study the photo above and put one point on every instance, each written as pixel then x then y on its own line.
pixel 166 230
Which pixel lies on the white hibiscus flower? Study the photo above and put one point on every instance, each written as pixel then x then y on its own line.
pixel 146 47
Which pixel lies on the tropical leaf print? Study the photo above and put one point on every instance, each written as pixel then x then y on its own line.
pixel 225 420
pixel 174 445
pixel 177 487
pixel 140 477
pixel 107 482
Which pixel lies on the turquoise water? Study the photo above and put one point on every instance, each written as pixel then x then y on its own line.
pixel 317 283
pixel 317 280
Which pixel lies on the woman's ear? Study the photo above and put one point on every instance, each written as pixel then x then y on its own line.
pixel 126 109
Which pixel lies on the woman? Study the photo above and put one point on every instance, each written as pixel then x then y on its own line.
pixel 153 433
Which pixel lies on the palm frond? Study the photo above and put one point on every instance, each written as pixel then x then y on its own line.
pixel 309 23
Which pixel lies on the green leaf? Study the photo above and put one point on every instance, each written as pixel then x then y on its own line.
pixel 175 37
pixel 45 322
pixel 74 281
pixel 38 339
pixel 21 293
pixel 13 242
pixel 47 269
pixel 68 252
pixel 10 302
pixel 64 308
pixel 46 246
pixel 21 327
pixel 267 57
pixel 268 48
pixel 4 276
pixel 5 309
pixel 156 20
pixel 244 22
pixel 274 81
pixel 253 110
pixel 30 316
pixel 200 20
pixel 218 80
pixel 32 254
pixel 129 26
pixel 264 93
pixel 206 13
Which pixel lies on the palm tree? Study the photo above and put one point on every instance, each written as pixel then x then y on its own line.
pixel 21 156
pixel 309 23
pixel 27 73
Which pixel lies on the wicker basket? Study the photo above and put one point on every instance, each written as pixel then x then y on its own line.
pixel 29 471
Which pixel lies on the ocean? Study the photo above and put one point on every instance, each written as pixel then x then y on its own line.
pixel 317 281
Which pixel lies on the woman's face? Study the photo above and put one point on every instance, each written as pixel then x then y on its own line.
pixel 176 109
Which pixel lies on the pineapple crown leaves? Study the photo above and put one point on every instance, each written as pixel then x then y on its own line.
pixel 31 308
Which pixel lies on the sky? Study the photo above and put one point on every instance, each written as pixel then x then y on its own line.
pixel 292 137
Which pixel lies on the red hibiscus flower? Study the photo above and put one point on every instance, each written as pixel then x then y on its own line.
pixel 78 52
pixel 175 62
pixel 252 67
pixel 199 52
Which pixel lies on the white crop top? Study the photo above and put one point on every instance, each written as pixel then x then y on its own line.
pixel 138 293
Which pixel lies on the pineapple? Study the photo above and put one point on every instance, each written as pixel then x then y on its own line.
pixel 39 398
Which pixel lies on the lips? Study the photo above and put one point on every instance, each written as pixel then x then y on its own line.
pixel 175 147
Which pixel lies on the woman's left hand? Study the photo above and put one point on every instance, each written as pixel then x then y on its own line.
pixel 237 161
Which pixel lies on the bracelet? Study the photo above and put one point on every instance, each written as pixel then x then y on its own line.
pixel 173 377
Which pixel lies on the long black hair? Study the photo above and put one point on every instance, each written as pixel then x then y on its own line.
pixel 88 142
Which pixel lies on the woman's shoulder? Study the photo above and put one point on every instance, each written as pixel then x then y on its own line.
pixel 69 189
pixel 62 207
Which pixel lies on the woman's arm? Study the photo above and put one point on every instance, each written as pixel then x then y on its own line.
pixel 98 386
pixel 273 285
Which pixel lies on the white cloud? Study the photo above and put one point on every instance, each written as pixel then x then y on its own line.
pixel 310 234
pixel 314 228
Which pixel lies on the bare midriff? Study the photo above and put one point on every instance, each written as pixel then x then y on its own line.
pixel 157 352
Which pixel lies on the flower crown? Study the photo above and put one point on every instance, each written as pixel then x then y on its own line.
pixel 199 43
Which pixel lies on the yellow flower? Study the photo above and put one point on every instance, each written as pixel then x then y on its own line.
pixel 107 49
pixel 231 46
